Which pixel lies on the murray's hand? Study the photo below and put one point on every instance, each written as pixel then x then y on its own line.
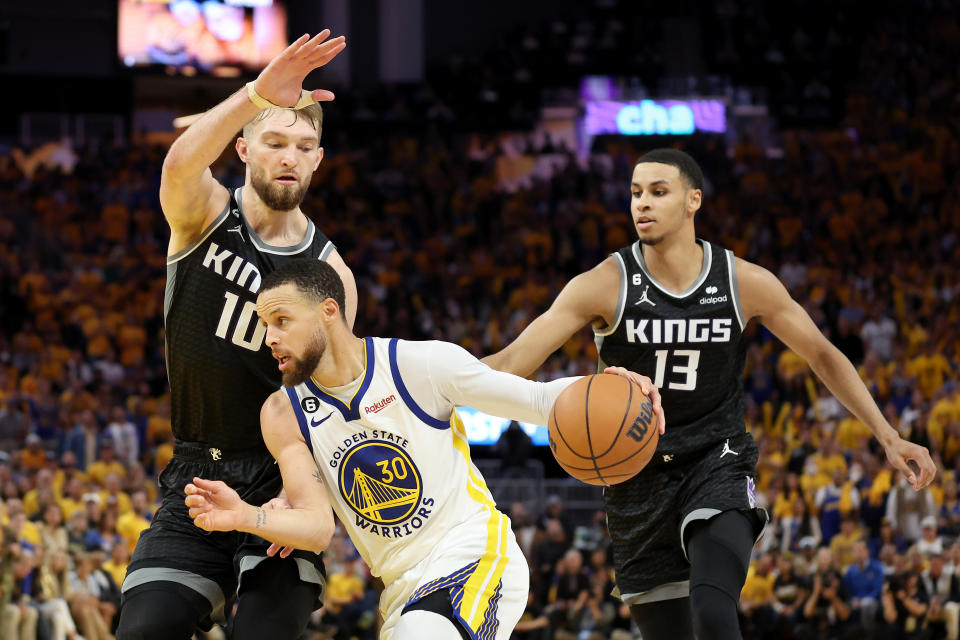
pixel 649 389
pixel 280 502
pixel 214 506
pixel 913 461
pixel 281 82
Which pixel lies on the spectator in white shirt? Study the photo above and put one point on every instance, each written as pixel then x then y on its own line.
pixel 929 543
pixel 123 433
pixel 878 333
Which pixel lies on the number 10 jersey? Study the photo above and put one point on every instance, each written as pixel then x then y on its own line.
pixel 220 371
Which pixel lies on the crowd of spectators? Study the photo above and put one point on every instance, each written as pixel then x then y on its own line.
pixel 860 222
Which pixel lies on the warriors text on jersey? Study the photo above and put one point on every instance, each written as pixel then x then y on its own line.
pixel 219 368
pixel 690 343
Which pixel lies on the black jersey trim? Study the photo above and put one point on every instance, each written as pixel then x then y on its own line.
pixel 183 253
pixel 734 290
pixel 349 411
pixel 269 248
pixel 408 400
pixel 621 301
pixel 301 417
pixel 704 270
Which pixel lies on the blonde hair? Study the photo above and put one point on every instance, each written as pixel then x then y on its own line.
pixel 311 113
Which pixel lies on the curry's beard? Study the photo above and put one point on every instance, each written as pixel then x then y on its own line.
pixel 302 368
pixel 278 197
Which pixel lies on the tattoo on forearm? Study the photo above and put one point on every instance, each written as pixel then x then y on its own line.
pixel 261 518
pixel 316 474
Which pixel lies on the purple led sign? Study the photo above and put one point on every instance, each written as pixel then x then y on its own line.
pixel 655 117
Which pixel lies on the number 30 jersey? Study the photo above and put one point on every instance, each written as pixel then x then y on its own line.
pixel 395 458
pixel 690 343
pixel 219 368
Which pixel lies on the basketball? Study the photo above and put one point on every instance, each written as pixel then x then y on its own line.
pixel 603 430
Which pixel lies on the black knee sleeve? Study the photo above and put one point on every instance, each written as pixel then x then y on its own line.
pixel 714 614
pixel 663 619
pixel 161 611
pixel 274 602
pixel 719 551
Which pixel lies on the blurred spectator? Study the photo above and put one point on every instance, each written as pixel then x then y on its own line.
pixel 50 593
pixel 20 617
pixel 930 542
pixel 834 502
pixel 863 582
pixel 878 333
pixel 948 521
pixel 104 537
pixel 886 536
pixel 591 615
pixel 53 535
pixel 790 592
pixel 83 440
pixel 798 526
pixel 546 556
pixel 533 624
pixel 827 611
pixel 567 585
pixel 93 598
pixel 942 586
pixel 905 603
pixel 514 448
pixel 105 464
pixel 112 493
pixel 553 510
pixel 136 519
pixel 523 528
pixel 34 455
pixel 907 508
pixel 806 562
pixel 123 433
pixel 757 599
pixel 13 423
pixel 843 543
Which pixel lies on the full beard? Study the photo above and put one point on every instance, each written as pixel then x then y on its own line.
pixel 301 369
pixel 278 197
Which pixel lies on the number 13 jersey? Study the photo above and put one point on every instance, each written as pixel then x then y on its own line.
pixel 690 343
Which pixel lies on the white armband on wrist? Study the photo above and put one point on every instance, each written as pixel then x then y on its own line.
pixel 306 99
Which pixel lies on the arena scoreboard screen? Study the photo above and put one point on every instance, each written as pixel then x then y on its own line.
pixel 654 117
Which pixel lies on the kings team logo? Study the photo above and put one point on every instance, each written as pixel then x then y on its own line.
pixel 382 485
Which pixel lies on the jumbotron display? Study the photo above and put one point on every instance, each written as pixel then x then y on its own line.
pixel 655 117
pixel 201 36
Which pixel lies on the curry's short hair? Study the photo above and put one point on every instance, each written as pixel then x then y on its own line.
pixel 314 278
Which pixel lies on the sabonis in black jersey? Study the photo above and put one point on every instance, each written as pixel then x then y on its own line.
pixel 222 244
pixel 220 370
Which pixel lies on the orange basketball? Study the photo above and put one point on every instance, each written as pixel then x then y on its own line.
pixel 603 430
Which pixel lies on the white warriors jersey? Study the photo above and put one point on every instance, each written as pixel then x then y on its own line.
pixel 394 454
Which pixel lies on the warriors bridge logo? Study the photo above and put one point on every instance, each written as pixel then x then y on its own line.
pixel 381 484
